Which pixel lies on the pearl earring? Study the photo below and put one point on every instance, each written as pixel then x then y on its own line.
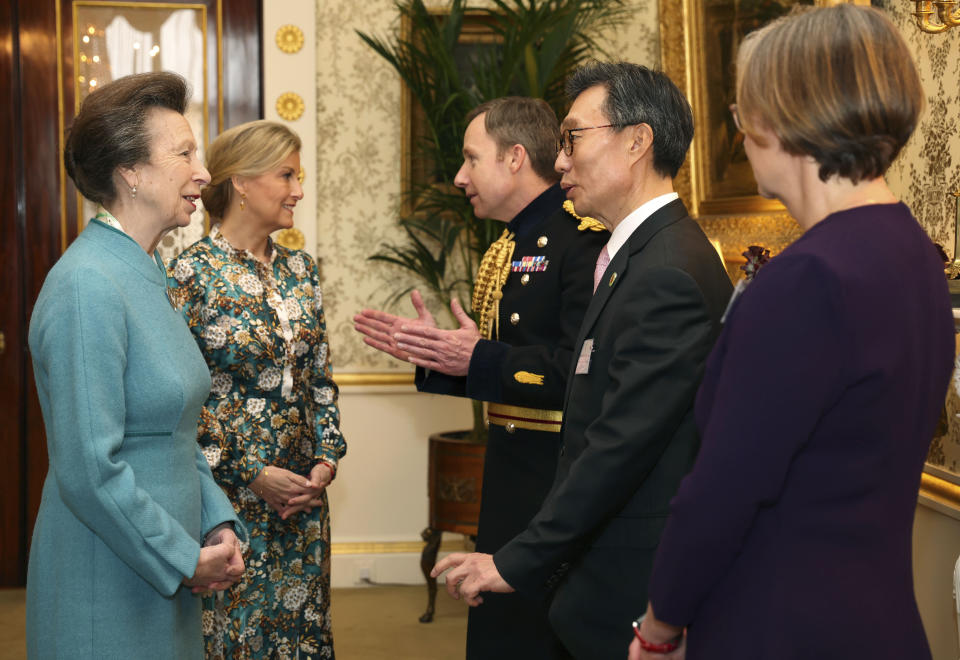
pixel 133 192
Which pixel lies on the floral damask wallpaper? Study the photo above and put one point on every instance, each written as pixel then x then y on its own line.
pixel 928 167
pixel 358 165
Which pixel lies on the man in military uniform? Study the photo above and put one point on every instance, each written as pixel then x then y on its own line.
pixel 519 358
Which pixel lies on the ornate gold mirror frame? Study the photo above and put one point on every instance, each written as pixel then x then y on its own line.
pixel 698 41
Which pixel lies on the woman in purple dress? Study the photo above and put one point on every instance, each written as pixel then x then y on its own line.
pixel 791 537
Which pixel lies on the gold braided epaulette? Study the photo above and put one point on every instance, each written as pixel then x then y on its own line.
pixel 585 222
pixel 491 276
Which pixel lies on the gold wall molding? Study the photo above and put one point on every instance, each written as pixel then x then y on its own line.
pixel 400 378
pixel 290 106
pixel 395 547
pixel 940 490
pixel 289 38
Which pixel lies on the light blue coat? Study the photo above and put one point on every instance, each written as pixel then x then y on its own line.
pixel 128 495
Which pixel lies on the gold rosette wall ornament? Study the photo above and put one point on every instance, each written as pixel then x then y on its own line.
pixel 290 106
pixel 289 38
pixel 291 238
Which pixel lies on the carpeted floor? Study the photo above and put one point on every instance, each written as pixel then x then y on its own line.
pixel 12 644
pixel 372 623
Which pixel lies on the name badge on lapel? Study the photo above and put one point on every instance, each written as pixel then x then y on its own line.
pixel 583 362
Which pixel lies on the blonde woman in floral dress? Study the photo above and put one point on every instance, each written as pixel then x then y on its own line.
pixel 270 429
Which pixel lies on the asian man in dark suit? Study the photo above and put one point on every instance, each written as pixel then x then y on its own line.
pixel 628 433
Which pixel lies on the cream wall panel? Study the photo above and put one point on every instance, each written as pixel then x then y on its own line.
pixel 293 72
pixel 380 493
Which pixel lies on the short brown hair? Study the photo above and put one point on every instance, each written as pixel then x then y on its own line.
pixel 246 150
pixel 835 83
pixel 110 131
pixel 525 121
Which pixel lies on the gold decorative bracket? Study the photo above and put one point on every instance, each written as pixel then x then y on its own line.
pixel 953 269
pixel 947 11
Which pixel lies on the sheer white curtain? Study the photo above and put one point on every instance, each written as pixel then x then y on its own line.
pixel 128 49
pixel 181 49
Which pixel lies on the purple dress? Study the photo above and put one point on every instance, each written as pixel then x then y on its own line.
pixel 791 537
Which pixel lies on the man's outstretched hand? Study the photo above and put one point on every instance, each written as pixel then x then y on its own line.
pixel 419 341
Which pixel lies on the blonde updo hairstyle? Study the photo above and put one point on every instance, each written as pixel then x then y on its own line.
pixel 246 150
pixel 837 84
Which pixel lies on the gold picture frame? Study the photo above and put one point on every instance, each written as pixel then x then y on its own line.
pixel 698 40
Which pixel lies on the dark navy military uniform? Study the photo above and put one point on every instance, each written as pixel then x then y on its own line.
pixel 544 301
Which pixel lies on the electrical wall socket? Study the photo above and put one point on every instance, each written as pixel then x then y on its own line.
pixel 364 573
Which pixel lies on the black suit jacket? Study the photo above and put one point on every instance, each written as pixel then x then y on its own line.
pixel 628 435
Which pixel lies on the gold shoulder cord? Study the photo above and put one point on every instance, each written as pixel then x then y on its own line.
pixel 491 276
pixel 586 222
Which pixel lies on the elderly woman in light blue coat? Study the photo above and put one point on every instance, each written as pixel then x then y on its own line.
pixel 131 525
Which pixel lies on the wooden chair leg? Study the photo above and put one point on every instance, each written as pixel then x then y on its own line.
pixel 427 560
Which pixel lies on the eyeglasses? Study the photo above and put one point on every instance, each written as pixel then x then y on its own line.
pixel 736 116
pixel 565 143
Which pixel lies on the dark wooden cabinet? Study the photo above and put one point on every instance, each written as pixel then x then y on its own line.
pixel 455 482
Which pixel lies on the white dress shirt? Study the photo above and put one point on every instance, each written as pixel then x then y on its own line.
pixel 622 232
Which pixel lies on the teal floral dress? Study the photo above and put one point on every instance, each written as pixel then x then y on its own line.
pixel 273 402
